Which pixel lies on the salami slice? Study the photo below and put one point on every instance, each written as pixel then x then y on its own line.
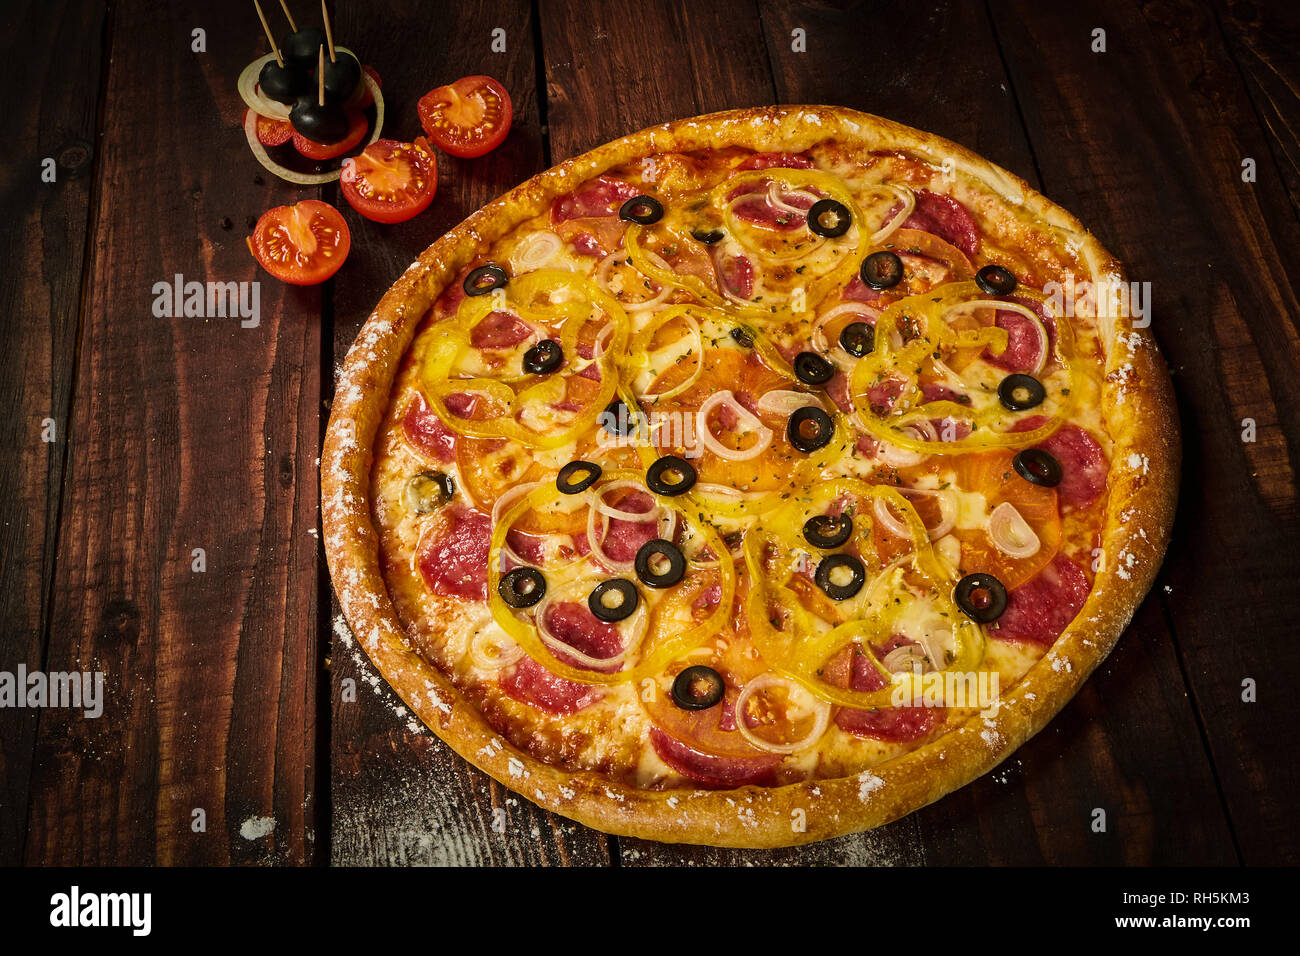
pixel 1084 466
pixel 529 682
pixel 710 770
pixel 946 218
pixel 499 330
pixel 426 431
pixel 735 274
pixel 758 207
pixel 453 560
pixel 1041 608
pixel 894 724
pixel 574 624
pixel 624 538
pixel 601 196
pixel 1025 347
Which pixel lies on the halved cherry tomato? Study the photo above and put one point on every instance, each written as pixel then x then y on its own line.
pixel 390 181
pixel 314 150
pixel 468 118
pixel 273 132
pixel 301 244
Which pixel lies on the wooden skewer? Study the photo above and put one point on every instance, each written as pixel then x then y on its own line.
pixel 288 16
pixel 267 27
pixel 320 76
pixel 329 34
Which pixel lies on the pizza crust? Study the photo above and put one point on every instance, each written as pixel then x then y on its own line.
pixel 1139 414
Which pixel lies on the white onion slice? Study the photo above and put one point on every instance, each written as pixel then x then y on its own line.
pixel 902 659
pixel 909 203
pixel 501 506
pixel 818 334
pixel 774 198
pixel 1044 342
pixel 599 513
pixel 1011 534
pixel 747 420
pixel 490 652
pixel 897 457
pixel 948 507
pixel 821 711
pixel 535 251
pixel 309 179
pixel 783 401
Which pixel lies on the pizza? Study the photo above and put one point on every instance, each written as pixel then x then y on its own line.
pixel 750 480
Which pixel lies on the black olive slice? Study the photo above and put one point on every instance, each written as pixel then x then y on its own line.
pixel 881 270
pixel 809 419
pixel 342 74
pixel 996 280
pixel 743 337
pixel 577 476
pixel 825 576
pixel 656 553
pixel 829 219
pixel 828 531
pixel 428 491
pixel 670 475
pixel 616 419
pixel 981 597
pixel 698 688
pixel 1038 467
pixel 1019 392
pixel 811 369
pixel 543 358
pixel 644 210
pixel 485 278
pixel 613 600
pixel 522 587
pixel 858 338
pixel 707 236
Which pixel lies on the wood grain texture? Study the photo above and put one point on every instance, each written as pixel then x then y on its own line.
pixel 186 433
pixel 1264 41
pixel 399 795
pixel 1038 806
pixel 43 246
pixel 1160 182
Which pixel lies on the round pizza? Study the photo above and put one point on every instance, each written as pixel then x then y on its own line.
pixel 750 480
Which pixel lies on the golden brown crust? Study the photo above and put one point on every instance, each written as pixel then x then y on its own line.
pixel 1139 414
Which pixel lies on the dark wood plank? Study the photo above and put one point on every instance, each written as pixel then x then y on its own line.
pixel 58 50
pixel 1037 807
pixel 615 68
pixel 1264 40
pixel 186 433
pixel 398 794
pixel 1159 179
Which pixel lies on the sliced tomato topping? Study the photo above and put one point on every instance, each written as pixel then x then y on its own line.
pixel 302 244
pixel 467 118
pixel 314 150
pixel 273 132
pixel 992 475
pixel 390 181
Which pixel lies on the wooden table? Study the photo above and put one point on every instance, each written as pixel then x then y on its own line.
pixel 224 687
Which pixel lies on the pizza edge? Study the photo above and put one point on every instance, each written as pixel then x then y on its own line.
pixel 1139 414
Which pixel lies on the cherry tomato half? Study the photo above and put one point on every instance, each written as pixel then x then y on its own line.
pixel 301 244
pixel 273 132
pixel 468 118
pixel 314 150
pixel 390 181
